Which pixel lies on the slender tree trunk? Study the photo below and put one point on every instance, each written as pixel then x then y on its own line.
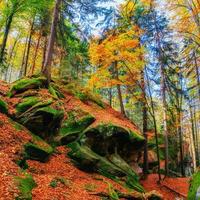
pixel 179 112
pixel 48 59
pixel 10 57
pixel 164 105
pixel 180 143
pixel 23 59
pixel 192 136
pixel 119 91
pixel 28 49
pixel 5 37
pixel 121 100
pixel 196 134
pixel 36 52
pixel 193 128
pixel 155 126
pixel 44 52
pixel 144 113
pixel 110 97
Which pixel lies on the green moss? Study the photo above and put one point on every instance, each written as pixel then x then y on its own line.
pixel 27 103
pixel 42 120
pixel 54 90
pixel 3 107
pixel 195 184
pixel 84 94
pixel 135 136
pixel 112 193
pixel 38 149
pixel 76 125
pixel 25 186
pixel 54 182
pixel 90 187
pixel 25 84
pixel 89 160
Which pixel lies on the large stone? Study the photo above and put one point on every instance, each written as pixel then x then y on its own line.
pixel 106 149
pixel 37 149
pixel 25 84
pixel 3 107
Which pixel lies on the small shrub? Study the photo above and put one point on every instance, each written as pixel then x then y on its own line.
pixel 56 180
pixel 90 187
pixel 25 185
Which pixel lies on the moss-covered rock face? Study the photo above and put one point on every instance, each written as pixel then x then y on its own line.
pixel 3 107
pixel 40 112
pixel 44 121
pixel 194 191
pixel 96 144
pixel 106 149
pixel 25 84
pixel 37 149
pixel 74 125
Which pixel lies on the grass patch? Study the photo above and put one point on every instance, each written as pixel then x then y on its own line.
pixel 25 186
pixel 54 182
pixel 84 94
pixel 195 184
pixel 90 187
pixel 3 107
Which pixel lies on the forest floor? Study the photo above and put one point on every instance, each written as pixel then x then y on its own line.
pixel 59 179
pixel 170 188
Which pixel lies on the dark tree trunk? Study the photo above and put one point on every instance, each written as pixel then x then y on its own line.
pixel 144 116
pixel 110 97
pixel 44 52
pixel 5 37
pixel 116 76
pixel 48 59
pixel 23 59
pixel 164 104
pixel 155 126
pixel 121 100
pixel 181 144
pixel 28 49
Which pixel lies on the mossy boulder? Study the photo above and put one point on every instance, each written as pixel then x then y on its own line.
pixel 115 168
pixel 40 116
pixel 3 107
pixel 106 139
pixel 37 149
pixel 54 90
pixel 74 125
pixel 25 84
pixel 106 149
pixel 194 187
pixel 27 103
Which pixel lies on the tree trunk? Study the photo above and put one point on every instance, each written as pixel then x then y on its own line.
pixel 5 37
pixel 110 97
pixel 44 52
pixel 164 105
pixel 121 100
pixel 155 126
pixel 119 91
pixel 48 59
pixel 23 59
pixel 144 113
pixel 28 48
pixel 36 52
pixel 180 143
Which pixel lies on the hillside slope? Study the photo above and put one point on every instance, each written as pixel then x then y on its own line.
pixel 63 143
